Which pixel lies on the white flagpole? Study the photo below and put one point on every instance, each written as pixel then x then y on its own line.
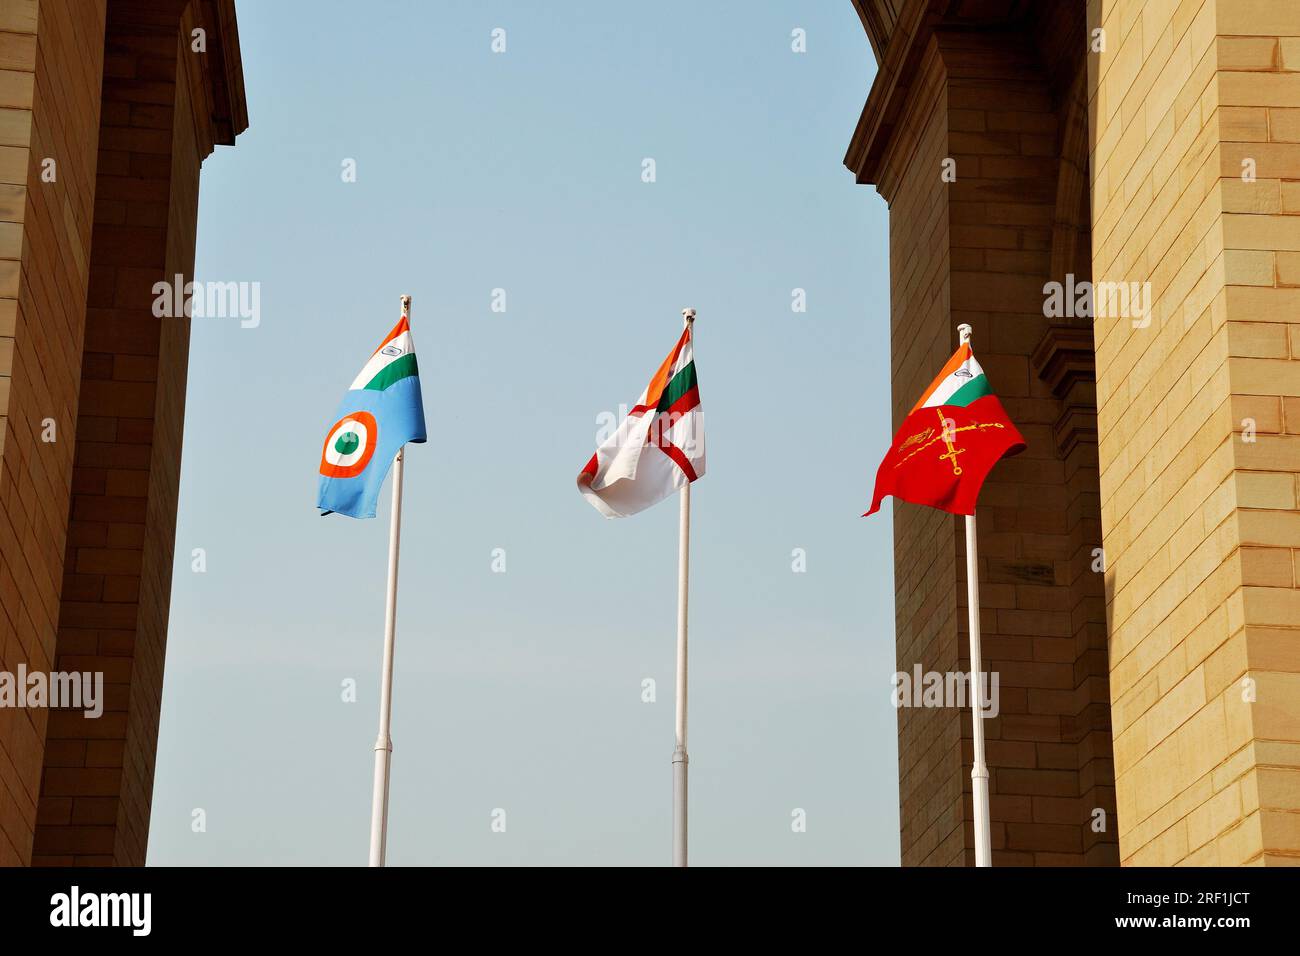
pixel 979 771
pixel 680 759
pixel 384 742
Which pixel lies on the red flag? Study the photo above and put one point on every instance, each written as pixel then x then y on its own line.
pixel 949 442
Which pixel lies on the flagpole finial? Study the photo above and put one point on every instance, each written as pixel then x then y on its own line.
pixel 688 316
pixel 963 333
pixel 406 305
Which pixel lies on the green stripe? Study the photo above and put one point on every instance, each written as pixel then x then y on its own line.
pixel 679 385
pixel 403 367
pixel 977 387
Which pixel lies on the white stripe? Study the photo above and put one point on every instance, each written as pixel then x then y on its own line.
pixel 402 345
pixel 684 358
pixel 970 369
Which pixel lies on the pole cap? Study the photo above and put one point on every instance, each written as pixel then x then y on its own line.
pixel 688 316
pixel 963 333
pixel 406 303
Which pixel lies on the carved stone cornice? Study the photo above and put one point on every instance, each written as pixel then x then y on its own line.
pixel 889 91
pixel 1065 360
pixel 900 33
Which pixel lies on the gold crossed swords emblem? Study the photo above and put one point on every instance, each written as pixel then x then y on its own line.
pixel 947 432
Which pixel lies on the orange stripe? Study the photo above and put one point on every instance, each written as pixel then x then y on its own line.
pixel 655 389
pixel 954 363
pixel 402 326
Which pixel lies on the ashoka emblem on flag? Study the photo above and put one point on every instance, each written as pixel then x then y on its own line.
pixel 349 446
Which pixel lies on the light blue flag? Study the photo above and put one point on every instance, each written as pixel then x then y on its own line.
pixel 382 411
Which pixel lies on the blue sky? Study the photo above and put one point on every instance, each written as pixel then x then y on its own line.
pixel 521 690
